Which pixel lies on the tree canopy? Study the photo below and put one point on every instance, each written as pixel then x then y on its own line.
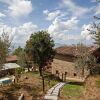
pixel 4 47
pixel 85 59
pixel 17 51
pixel 23 57
pixel 96 31
pixel 40 45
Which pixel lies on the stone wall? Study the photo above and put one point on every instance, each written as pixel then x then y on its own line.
pixel 69 58
pixel 65 69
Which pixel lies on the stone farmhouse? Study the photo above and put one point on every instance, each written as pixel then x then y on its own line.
pixel 63 65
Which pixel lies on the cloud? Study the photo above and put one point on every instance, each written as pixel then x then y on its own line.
pixel 85 33
pixel 46 12
pixel 59 25
pixel 74 8
pixel 51 15
pixel 65 37
pixel 93 0
pixel 18 8
pixel 2 15
pixel 19 34
pixel 59 29
pixel 97 9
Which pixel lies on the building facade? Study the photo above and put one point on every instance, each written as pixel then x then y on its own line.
pixel 63 65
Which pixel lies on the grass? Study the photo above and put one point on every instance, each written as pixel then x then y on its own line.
pixel 30 84
pixel 71 91
pixel 52 83
pixel 49 82
pixel 32 88
pixel 98 83
pixel 34 74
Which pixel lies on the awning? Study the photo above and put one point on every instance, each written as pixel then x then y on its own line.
pixel 10 66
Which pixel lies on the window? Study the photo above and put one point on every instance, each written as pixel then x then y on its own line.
pixel 65 73
pixel 75 74
pixel 57 72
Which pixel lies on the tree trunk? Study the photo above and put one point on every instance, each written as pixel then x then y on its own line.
pixel 83 72
pixel 40 70
pixel 43 83
pixel 62 77
pixel 65 77
pixel 28 69
pixel 41 74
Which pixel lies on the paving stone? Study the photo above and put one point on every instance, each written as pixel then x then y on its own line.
pixel 53 93
pixel 50 98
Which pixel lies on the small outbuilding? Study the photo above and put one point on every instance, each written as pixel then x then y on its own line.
pixel 8 68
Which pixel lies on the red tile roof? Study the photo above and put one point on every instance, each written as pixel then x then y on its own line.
pixel 71 50
pixel 11 58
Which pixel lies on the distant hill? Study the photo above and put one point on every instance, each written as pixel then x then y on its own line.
pixel 58 45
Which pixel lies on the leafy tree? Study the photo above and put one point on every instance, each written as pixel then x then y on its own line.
pixel 95 31
pixel 96 35
pixel 4 47
pixel 84 59
pixel 41 47
pixel 23 58
pixel 80 61
pixel 90 62
pixel 18 72
pixel 17 51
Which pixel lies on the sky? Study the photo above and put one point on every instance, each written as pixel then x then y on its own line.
pixel 67 21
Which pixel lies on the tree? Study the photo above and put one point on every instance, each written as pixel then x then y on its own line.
pixel 4 47
pixel 80 61
pixel 17 51
pixel 96 28
pixel 90 62
pixel 84 58
pixel 95 32
pixel 41 47
pixel 23 57
pixel 97 37
pixel 18 72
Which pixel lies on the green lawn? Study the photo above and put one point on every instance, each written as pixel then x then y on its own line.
pixel 35 74
pixel 71 91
